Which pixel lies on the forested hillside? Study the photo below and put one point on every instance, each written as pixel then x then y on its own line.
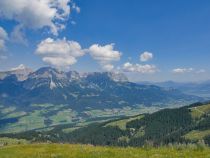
pixel 189 124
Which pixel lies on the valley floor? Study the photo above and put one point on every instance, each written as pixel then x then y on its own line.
pixel 88 151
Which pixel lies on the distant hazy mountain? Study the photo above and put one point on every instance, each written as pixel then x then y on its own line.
pixel 201 89
pixel 96 90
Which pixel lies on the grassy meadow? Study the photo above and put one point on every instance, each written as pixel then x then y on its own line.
pixel 88 151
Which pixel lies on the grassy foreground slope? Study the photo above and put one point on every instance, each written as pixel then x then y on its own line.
pixel 87 151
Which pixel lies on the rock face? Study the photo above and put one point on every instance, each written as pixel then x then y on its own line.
pixel 21 72
pixel 22 87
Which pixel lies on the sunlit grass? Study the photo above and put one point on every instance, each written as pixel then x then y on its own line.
pixel 197 135
pixel 69 130
pixel 12 141
pixel 198 112
pixel 88 151
pixel 122 123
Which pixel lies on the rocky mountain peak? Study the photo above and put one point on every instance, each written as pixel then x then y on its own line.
pixel 113 76
pixel 48 72
pixel 117 77
pixel 21 72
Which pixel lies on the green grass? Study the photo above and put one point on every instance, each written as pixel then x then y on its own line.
pixel 32 120
pixel 140 133
pixel 197 135
pixel 198 112
pixel 69 130
pixel 205 108
pixel 42 105
pixel 122 123
pixel 35 119
pixel 15 114
pixel 88 151
pixel 12 141
pixel 124 139
pixel 126 111
pixel 7 110
pixel 64 116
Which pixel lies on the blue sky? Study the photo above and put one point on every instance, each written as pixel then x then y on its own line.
pixel 174 37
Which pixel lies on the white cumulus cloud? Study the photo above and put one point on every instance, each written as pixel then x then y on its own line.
pixel 129 67
pixel 3 38
pixel 37 14
pixel 3 33
pixel 105 55
pixel 182 70
pixel 75 7
pixel 18 35
pixel 60 53
pixel 108 67
pixel 146 56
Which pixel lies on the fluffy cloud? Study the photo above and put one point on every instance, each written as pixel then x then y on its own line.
pixel 3 33
pixel 3 38
pixel 104 55
pixel 63 53
pixel 108 67
pixel 188 70
pixel 146 56
pixel 59 53
pixel 182 70
pixel 129 67
pixel 18 36
pixel 74 6
pixel 37 14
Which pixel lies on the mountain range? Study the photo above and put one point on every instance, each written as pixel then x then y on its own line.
pixel 48 97
pixel 24 87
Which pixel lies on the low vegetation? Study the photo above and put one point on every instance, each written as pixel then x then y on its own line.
pixel 197 135
pixel 4 141
pixel 89 151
